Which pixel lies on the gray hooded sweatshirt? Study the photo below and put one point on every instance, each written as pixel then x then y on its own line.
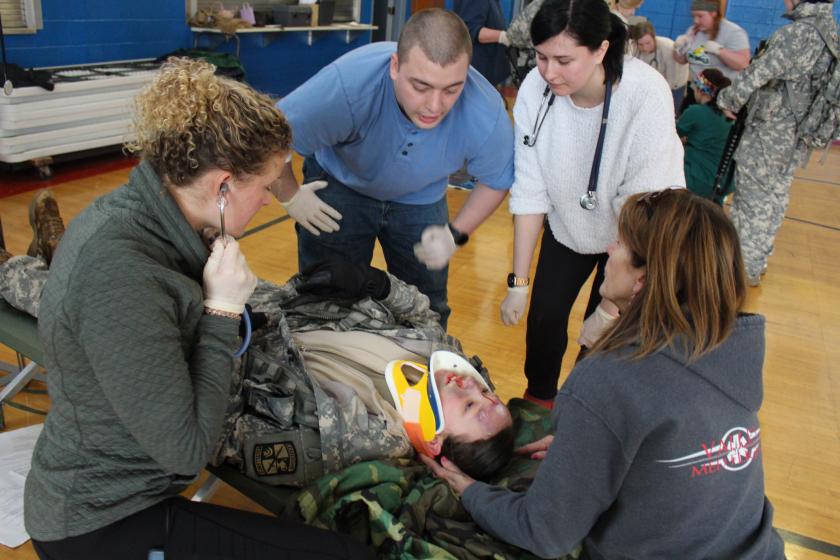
pixel 652 458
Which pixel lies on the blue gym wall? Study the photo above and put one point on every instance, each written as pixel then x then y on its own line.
pixel 85 31
pixel 82 31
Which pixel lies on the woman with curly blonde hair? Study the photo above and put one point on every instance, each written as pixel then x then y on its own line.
pixel 139 321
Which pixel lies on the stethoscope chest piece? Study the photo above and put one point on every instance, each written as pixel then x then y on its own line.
pixel 588 201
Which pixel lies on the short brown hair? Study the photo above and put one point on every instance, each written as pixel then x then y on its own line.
pixel 441 35
pixel 639 30
pixel 695 284
pixel 189 121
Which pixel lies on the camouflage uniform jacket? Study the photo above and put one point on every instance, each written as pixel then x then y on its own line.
pixel 795 59
pixel 273 397
pixel 519 35
pixel 519 30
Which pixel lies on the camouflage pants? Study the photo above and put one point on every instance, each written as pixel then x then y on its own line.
pixel 766 159
pixel 21 281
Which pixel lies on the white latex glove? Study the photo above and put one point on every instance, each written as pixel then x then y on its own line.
pixel 436 247
pixel 681 44
pixel 712 47
pixel 595 326
pixel 503 39
pixel 513 306
pixel 310 211
pixel 228 281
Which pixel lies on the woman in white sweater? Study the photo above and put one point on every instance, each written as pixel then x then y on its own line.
pixel 558 116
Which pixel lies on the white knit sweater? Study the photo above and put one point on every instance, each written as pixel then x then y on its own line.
pixel 642 152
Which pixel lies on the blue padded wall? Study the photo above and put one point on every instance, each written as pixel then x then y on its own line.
pixel 89 31
pixel 84 31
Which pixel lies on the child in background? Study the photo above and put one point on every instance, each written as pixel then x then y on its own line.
pixel 703 129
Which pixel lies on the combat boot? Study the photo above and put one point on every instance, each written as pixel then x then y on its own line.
pixel 47 226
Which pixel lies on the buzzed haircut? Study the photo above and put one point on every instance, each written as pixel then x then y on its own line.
pixel 441 35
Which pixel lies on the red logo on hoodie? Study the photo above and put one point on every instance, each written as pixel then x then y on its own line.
pixel 733 452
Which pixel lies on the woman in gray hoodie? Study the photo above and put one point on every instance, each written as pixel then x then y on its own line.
pixel 656 445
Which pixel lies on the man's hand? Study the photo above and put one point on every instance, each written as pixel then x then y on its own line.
pixel 503 39
pixel 436 247
pixel 536 449
pixel 447 471
pixel 310 211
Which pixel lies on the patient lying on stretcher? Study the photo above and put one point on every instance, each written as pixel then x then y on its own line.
pixel 311 394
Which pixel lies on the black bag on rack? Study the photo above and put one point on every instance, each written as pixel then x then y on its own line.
pixel 21 77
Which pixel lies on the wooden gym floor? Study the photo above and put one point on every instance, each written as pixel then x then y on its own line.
pixel 800 296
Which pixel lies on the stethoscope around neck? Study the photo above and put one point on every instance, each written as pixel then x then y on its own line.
pixel 588 200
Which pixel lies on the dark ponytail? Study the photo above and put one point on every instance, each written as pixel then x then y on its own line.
pixel 614 59
pixel 590 22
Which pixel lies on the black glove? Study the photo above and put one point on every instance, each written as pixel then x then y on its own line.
pixel 339 278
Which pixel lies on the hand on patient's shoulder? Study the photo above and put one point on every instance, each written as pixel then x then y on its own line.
pixel 536 449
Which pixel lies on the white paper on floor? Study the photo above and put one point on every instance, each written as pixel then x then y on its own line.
pixel 15 459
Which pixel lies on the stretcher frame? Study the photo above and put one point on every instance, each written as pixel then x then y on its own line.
pixel 18 331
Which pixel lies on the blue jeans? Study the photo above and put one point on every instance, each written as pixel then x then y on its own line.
pixel 364 220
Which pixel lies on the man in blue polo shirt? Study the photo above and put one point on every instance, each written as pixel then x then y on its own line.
pixel 382 128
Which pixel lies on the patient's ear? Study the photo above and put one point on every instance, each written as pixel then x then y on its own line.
pixel 436 445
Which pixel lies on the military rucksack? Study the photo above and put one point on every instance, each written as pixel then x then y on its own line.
pixel 821 124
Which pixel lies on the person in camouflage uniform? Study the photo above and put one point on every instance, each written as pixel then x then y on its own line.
pixel 779 87
pixel 518 36
pixel 278 394
pixel 285 424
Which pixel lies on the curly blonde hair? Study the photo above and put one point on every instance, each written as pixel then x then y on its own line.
pixel 188 121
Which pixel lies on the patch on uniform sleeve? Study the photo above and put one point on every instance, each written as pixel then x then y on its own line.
pixel 275 458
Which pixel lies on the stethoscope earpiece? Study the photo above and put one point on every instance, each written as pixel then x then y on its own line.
pixel 222 203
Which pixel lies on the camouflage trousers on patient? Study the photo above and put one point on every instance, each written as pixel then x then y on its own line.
pixel 22 280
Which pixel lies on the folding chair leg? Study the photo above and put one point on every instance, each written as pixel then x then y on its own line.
pixel 19 381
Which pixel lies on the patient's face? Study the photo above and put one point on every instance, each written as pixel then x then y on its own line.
pixel 471 411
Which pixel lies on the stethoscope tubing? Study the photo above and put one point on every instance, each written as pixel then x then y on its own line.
pixel 588 200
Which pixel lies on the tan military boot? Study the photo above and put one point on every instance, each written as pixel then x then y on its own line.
pixel 47 226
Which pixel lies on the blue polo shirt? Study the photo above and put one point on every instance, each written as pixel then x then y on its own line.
pixel 347 116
